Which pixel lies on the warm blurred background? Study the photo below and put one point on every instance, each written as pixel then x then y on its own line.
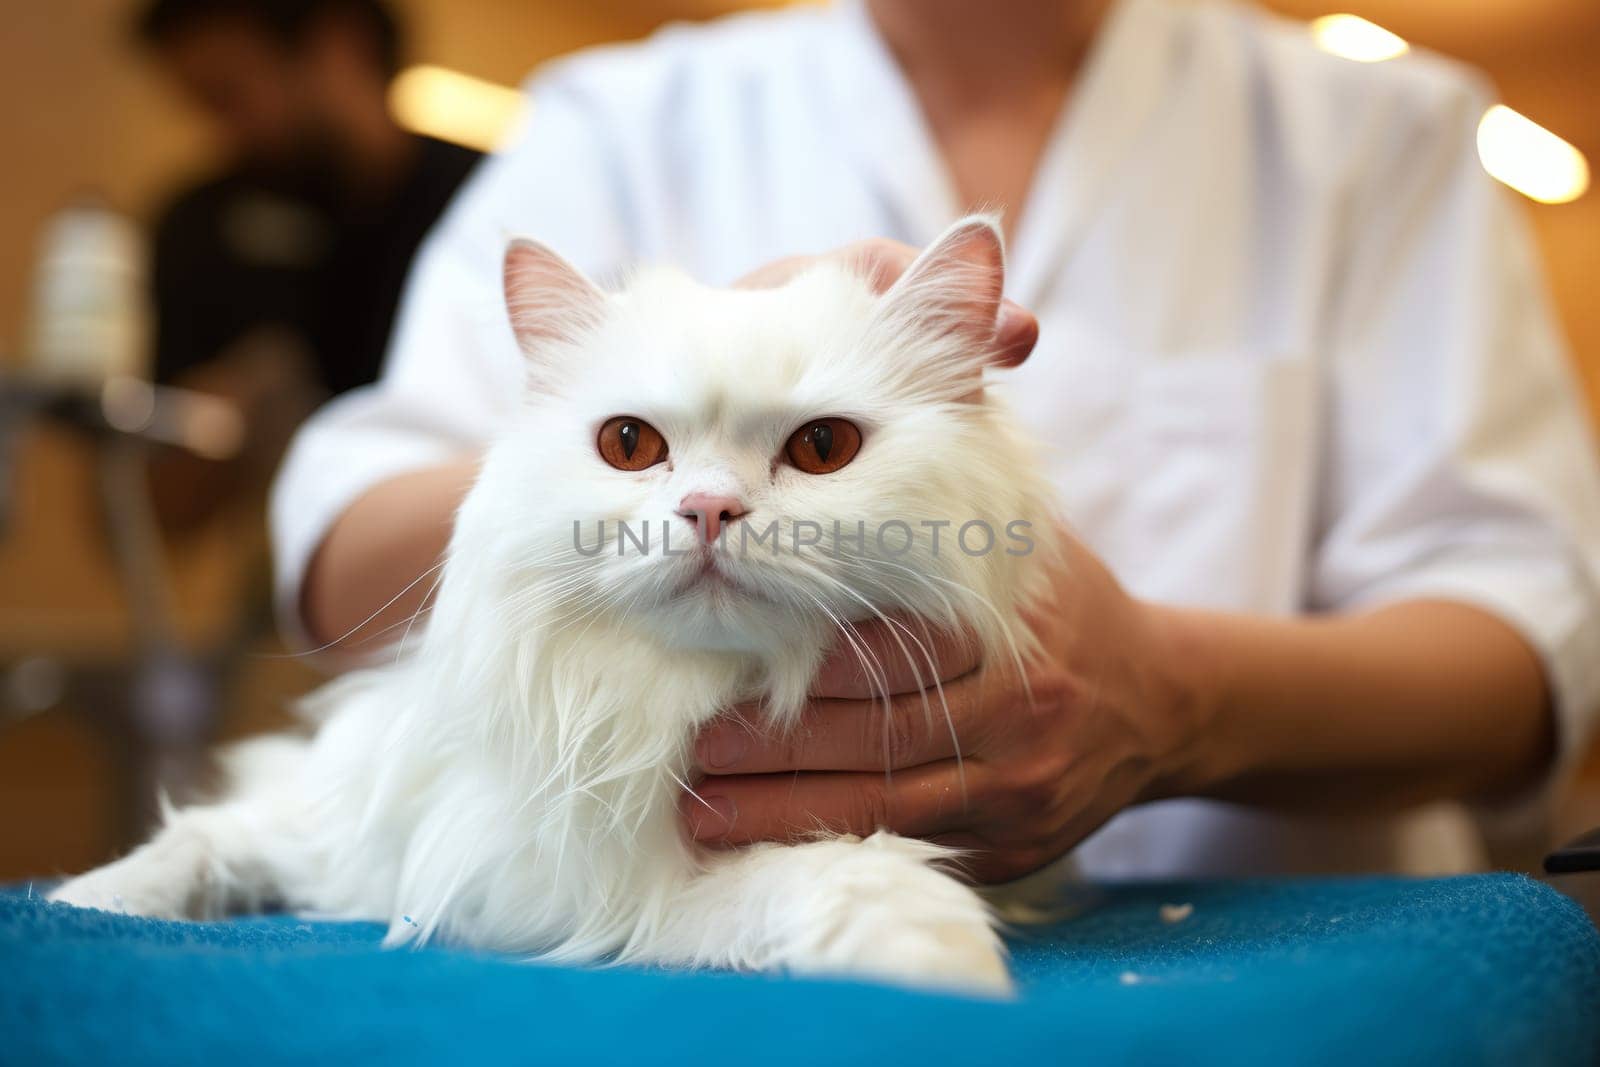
pixel 111 674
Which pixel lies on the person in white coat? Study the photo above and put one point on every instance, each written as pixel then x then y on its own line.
pixel 1296 378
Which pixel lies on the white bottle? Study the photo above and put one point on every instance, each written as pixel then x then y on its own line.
pixel 90 316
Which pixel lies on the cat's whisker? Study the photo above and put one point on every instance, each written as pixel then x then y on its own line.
pixel 1004 630
pixel 368 640
pixel 874 670
pixel 927 707
pixel 427 599
pixel 530 606
pixel 539 612
pixel 950 611
pixel 1001 627
pixel 354 629
pixel 913 612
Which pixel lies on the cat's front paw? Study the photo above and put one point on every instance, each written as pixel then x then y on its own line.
pixel 960 956
pixel 884 912
pixel 126 889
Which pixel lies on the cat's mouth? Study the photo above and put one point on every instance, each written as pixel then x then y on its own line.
pixel 709 577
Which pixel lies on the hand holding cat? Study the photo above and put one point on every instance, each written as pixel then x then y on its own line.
pixel 1100 725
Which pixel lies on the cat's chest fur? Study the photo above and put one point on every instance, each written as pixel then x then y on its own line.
pixel 533 791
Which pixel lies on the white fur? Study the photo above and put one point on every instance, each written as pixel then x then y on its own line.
pixel 512 781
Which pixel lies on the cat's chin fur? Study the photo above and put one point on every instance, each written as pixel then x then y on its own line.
pixel 513 781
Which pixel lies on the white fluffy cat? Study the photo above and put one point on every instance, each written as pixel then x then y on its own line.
pixel 512 782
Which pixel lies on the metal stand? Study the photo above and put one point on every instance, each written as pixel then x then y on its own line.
pixel 158 710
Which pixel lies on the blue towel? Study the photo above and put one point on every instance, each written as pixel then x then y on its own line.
pixel 1482 969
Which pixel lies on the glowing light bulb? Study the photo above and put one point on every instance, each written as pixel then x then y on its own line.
pixel 455 107
pixel 1353 37
pixel 1529 158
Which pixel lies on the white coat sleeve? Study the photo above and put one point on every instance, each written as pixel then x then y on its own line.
pixel 452 374
pixel 1459 460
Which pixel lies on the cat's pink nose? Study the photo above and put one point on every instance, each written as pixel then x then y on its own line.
pixel 710 513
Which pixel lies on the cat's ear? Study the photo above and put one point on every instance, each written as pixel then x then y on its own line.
pixel 549 300
pixel 954 287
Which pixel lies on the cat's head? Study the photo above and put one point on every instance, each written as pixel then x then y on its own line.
pixel 750 470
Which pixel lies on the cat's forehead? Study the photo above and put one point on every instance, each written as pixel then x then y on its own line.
pixel 672 345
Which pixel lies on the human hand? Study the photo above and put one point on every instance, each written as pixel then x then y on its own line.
pixel 881 261
pixel 1103 720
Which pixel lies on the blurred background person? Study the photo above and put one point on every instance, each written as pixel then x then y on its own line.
pixel 276 278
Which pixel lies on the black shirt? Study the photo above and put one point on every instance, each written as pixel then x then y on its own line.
pixel 243 253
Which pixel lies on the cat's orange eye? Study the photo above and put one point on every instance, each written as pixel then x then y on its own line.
pixel 631 444
pixel 822 446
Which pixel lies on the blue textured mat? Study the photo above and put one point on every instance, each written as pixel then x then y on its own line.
pixel 1484 969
